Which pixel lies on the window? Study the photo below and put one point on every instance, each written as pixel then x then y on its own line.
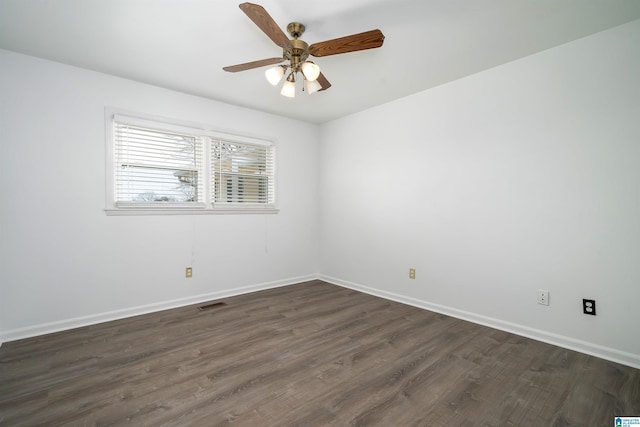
pixel 159 167
pixel 241 172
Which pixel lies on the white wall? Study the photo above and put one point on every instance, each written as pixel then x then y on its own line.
pixel 521 177
pixel 63 262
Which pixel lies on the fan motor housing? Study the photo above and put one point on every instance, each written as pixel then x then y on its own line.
pixel 297 53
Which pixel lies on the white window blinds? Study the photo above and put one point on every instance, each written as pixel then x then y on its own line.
pixel 158 166
pixel 242 172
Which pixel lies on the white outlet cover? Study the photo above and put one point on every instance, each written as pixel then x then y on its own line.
pixel 543 297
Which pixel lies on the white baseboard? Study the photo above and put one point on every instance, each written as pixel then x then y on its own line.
pixel 63 325
pixel 606 353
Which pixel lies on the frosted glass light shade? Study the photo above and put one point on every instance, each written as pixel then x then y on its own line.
pixel 310 70
pixel 289 88
pixel 312 86
pixel 274 75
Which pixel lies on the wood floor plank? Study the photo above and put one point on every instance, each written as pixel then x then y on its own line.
pixel 308 354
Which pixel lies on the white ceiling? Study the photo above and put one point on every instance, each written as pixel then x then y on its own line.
pixel 183 44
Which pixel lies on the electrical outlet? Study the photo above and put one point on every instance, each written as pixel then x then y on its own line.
pixel 412 273
pixel 543 297
pixel 188 272
pixel 589 306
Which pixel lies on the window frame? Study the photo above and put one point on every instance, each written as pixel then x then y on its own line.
pixel 209 134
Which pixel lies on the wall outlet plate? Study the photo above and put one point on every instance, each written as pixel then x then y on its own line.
pixel 412 273
pixel 188 272
pixel 589 306
pixel 543 297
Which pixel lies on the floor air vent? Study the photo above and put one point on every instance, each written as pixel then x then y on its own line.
pixel 212 306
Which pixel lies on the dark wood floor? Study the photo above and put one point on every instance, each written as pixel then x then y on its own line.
pixel 309 354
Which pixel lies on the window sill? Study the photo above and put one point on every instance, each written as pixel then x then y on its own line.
pixel 188 211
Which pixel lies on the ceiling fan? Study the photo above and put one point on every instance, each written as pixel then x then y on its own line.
pixel 295 52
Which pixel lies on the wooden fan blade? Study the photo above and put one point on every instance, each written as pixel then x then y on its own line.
pixel 367 40
pixel 265 22
pixel 323 82
pixel 254 64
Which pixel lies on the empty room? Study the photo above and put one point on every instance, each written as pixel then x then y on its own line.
pixel 373 212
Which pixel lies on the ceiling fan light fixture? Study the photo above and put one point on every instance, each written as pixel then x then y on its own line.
pixel 312 86
pixel 310 70
pixel 274 74
pixel 289 87
pixel 297 51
